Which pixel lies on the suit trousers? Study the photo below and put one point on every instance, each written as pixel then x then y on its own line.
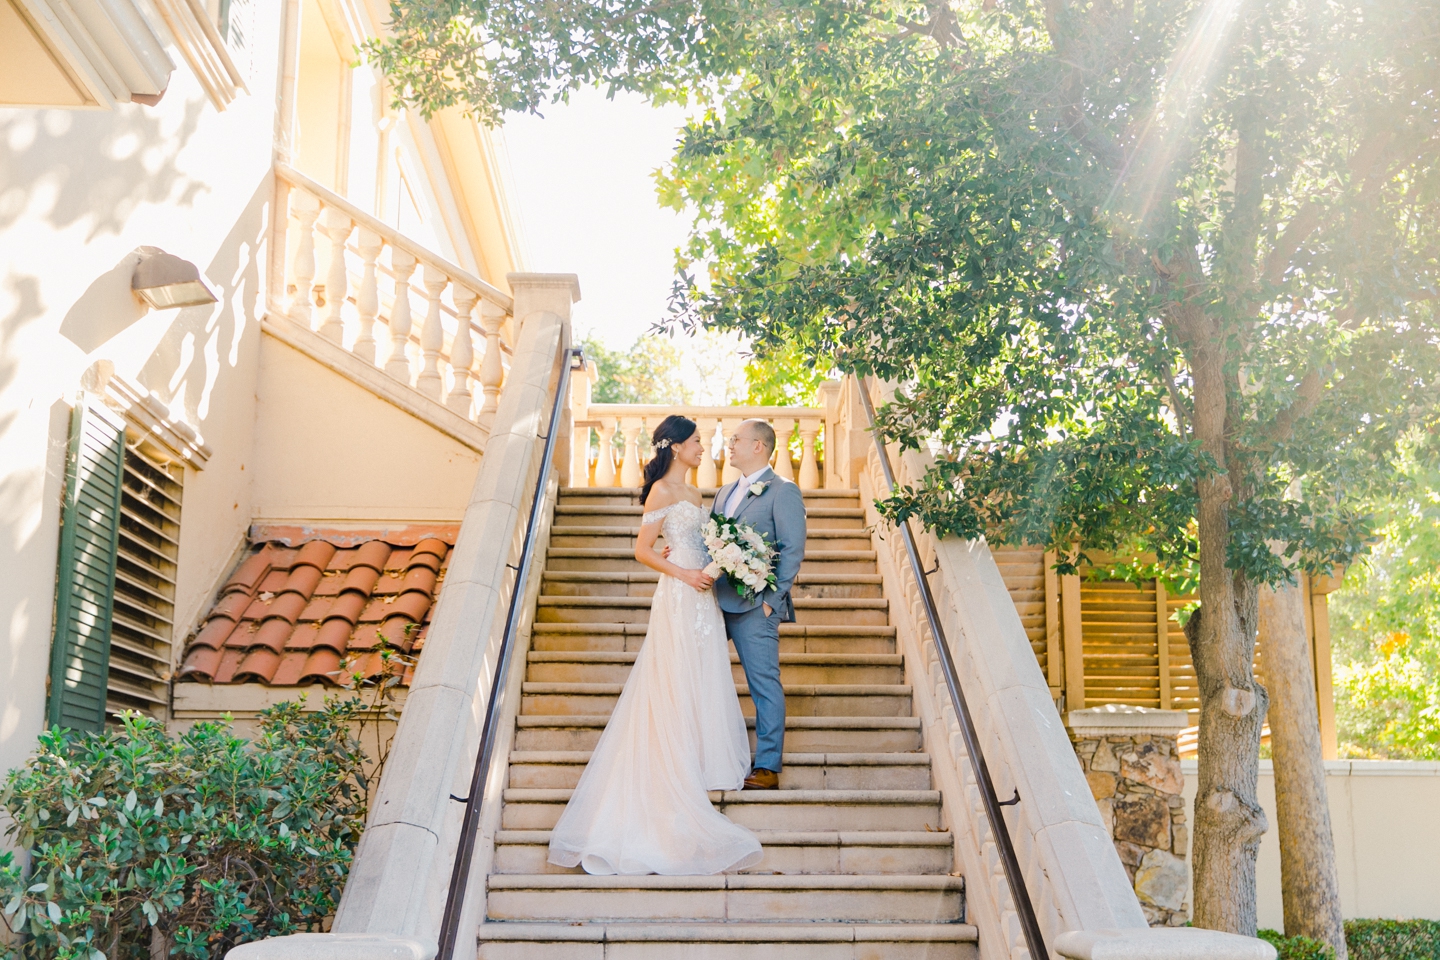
pixel 757 641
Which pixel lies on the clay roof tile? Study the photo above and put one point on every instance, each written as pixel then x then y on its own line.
pixel 232 605
pixel 226 671
pixel 214 632
pixel 413 605
pixel 250 572
pixel 201 663
pixel 361 579
pixel 303 580
pixel 321 666
pixel 272 635
pixel 348 606
pixel 422 579
pixel 287 607
pixel 290 668
pixel 372 554
pixel 259 664
pixel 316 553
pixel 334 634
pixel 304 637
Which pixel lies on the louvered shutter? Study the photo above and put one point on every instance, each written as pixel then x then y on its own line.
pixel 85 579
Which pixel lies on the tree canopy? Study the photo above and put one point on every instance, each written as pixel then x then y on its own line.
pixel 1153 274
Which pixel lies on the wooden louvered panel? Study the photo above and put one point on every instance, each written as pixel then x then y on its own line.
pixel 85 574
pixel 1023 571
pixel 1120 649
pixel 145 585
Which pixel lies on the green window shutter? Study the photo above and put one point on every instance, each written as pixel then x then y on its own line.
pixel 85 581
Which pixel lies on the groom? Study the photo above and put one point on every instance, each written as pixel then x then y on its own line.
pixel 774 508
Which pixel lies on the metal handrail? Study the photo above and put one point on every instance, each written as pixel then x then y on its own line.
pixel 1034 939
pixel 470 825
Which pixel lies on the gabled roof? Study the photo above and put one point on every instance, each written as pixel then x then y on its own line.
pixel 320 606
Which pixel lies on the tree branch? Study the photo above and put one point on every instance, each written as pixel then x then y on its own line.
pixel 1307 395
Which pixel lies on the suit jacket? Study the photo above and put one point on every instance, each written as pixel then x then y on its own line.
pixel 779 514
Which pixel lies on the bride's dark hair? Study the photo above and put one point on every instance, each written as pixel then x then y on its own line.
pixel 674 429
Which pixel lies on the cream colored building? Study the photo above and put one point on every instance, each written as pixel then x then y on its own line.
pixel 240 136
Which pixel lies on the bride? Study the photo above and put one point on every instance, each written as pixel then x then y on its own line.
pixel 641 805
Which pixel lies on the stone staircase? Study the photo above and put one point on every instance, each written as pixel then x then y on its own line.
pixel 859 862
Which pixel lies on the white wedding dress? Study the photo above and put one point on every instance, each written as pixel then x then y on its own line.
pixel 677 732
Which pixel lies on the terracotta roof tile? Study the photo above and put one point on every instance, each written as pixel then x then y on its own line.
pixel 319 606
pixel 303 580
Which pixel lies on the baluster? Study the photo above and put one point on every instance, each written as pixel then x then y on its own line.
pixel 580 458
pixel 605 466
pixel 462 353
pixel 305 209
pixel 708 475
pixel 398 363
pixel 731 472
pixel 432 335
pixel 492 369
pixel 367 298
pixel 784 427
pixel 336 226
pixel 809 469
pixel 630 474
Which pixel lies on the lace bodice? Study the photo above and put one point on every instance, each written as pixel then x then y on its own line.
pixel 682 522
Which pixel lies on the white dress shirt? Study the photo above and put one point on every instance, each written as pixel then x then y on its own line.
pixel 737 496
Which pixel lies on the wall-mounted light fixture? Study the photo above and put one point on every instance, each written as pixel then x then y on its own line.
pixel 164 281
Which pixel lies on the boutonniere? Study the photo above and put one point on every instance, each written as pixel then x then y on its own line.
pixel 758 488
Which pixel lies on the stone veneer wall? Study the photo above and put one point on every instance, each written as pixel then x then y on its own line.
pixel 1131 762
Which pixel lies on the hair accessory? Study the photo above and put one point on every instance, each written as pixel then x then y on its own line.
pixel 661 444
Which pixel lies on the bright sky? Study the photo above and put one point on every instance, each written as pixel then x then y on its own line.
pixel 583 179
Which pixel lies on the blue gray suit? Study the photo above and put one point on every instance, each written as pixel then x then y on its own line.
pixel 779 514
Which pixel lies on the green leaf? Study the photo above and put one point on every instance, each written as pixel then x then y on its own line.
pixel 53 910
pixel 130 800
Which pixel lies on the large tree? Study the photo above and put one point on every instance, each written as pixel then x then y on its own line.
pixel 1137 265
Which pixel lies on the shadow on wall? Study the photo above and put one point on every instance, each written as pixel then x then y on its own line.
pixel 106 309
pixel 99 165
pixel 29 520
pixel 202 341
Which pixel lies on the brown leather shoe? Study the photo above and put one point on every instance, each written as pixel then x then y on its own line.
pixel 762 779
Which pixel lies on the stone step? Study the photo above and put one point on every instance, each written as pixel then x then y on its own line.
pixel 802 734
pixel 583 667
pixel 622 560
pixel 839 810
pixel 630 496
pixel 560 770
pixel 624 536
pixel 727 941
pixel 729 897
pixel 873 852
pixel 809 611
pixel 794 638
pixel 584 514
pixel 801 699
pixel 608 583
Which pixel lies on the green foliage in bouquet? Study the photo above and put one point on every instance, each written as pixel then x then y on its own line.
pixel 140 844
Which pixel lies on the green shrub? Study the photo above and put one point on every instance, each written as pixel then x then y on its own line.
pixel 1297 948
pixel 1393 939
pixel 140 844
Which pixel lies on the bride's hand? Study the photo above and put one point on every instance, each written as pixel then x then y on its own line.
pixel 698 579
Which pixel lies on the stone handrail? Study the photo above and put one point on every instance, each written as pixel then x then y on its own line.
pixel 395 892
pixel 802 427
pixel 345 302
pixel 1084 900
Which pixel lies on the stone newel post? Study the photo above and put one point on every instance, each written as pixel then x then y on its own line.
pixel 1133 768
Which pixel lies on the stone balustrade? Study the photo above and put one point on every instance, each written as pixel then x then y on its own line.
pixel 357 281
pixel 600 462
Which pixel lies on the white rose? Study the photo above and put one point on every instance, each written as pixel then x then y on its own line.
pixel 712 570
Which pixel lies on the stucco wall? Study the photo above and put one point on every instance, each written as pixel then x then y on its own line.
pixel 79 191
pixel 1386 818
pixel 328 450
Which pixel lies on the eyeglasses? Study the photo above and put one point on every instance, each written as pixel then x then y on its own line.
pixel 736 438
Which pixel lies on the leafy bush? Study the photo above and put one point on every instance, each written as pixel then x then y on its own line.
pixel 1393 939
pixel 141 844
pixel 1296 948
pixel 1366 940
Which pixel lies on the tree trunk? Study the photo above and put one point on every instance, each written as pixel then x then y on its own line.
pixel 1228 819
pixel 1309 883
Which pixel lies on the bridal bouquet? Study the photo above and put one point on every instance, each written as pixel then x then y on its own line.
pixel 741 553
